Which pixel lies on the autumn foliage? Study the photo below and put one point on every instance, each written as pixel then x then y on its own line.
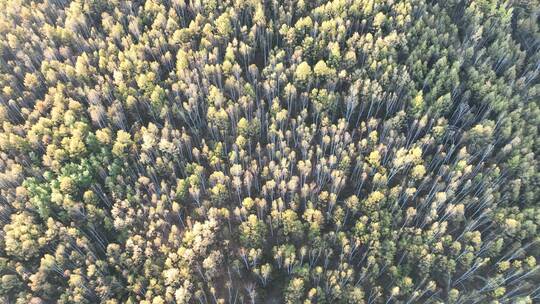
pixel 247 151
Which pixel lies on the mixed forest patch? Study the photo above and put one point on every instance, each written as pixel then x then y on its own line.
pixel 248 151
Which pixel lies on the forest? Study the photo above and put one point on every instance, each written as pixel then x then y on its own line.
pixel 269 151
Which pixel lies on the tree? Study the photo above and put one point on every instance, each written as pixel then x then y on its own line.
pixel 323 71
pixel 252 232
pixel 302 72
pixel 23 237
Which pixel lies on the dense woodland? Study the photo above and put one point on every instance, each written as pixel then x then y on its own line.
pixel 248 151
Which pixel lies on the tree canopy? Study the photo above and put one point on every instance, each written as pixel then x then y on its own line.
pixel 247 151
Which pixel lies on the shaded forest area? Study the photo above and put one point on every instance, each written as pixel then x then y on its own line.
pixel 248 151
